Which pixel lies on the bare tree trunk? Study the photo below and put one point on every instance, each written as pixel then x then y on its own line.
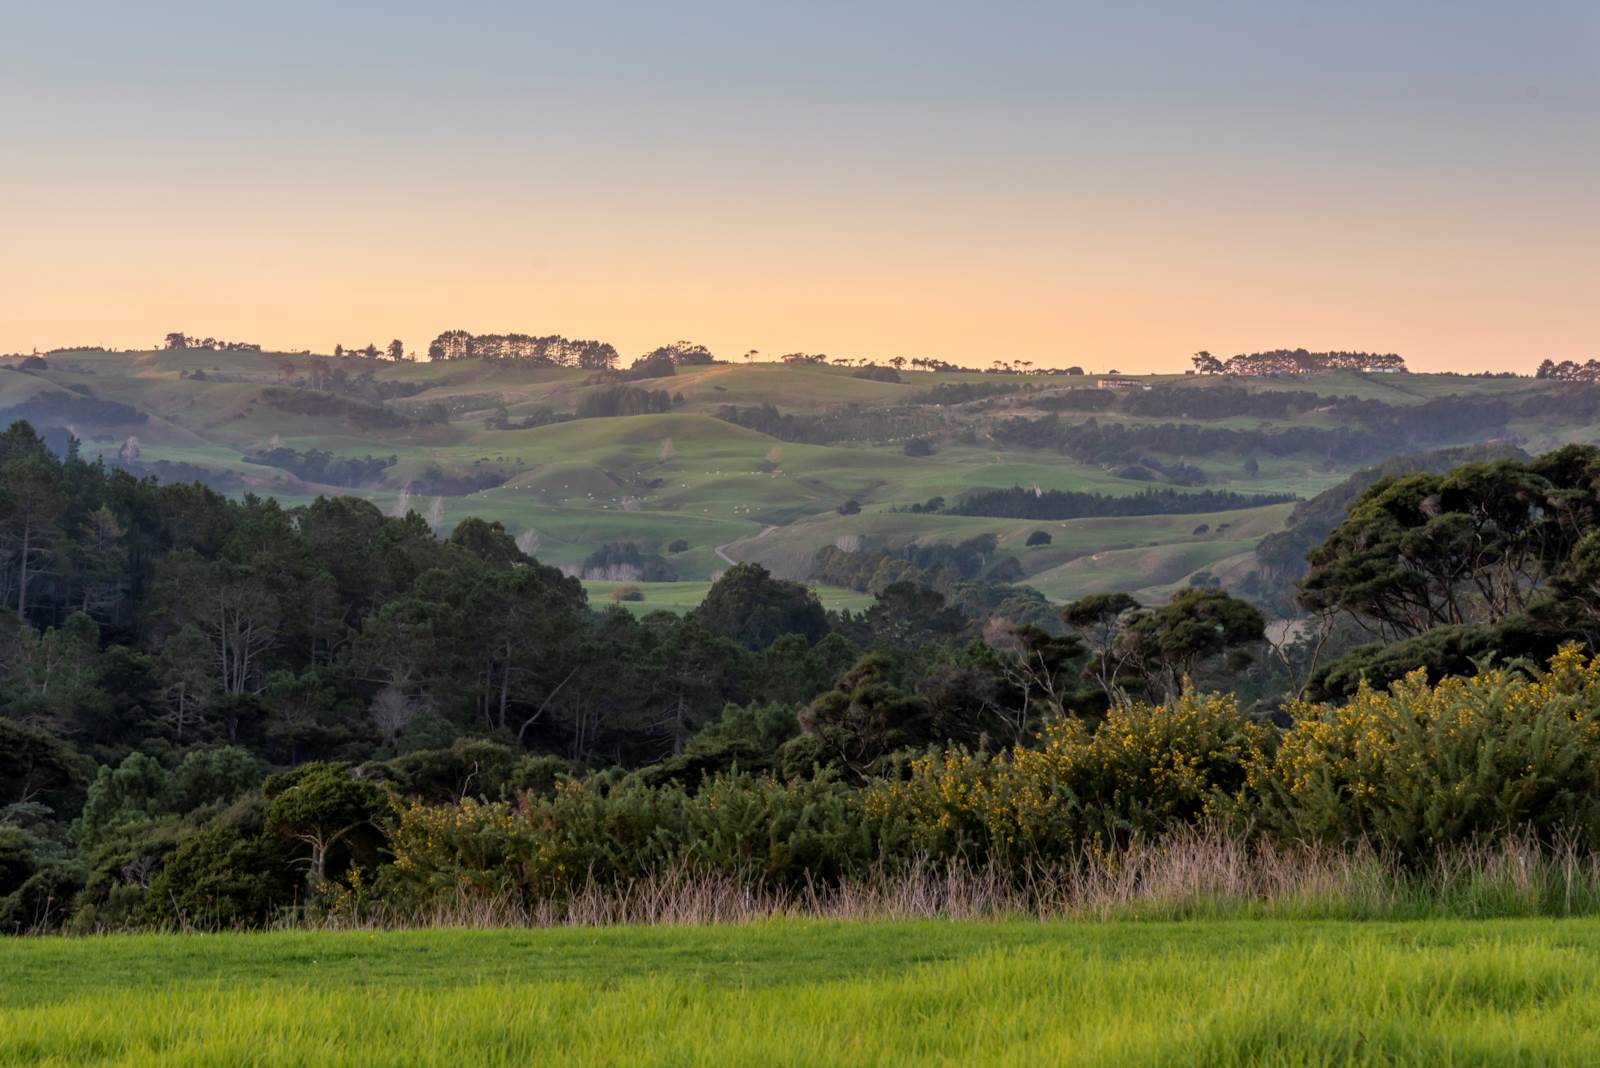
pixel 22 577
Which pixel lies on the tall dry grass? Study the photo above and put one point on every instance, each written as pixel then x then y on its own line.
pixel 1191 874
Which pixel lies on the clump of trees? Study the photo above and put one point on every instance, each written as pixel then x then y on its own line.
pixel 79 407
pixel 1020 503
pixel 179 340
pixel 948 393
pixel 1569 371
pixel 615 401
pixel 551 349
pixel 320 465
pixel 625 562
pixel 681 354
pixel 1497 557
pixel 1297 362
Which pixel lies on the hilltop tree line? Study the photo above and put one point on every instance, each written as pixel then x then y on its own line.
pixel 1569 371
pixel 550 349
pixel 1297 362
pixel 180 340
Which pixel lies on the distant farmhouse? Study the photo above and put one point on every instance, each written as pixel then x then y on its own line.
pixel 1120 383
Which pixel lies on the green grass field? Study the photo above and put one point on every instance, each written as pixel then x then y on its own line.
pixel 818 993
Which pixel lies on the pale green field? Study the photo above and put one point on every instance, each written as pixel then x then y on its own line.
pixel 1254 992
pixel 680 597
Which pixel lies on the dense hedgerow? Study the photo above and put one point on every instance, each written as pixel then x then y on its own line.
pixel 1409 770
pixel 1408 773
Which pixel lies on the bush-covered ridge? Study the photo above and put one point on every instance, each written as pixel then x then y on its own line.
pixel 203 700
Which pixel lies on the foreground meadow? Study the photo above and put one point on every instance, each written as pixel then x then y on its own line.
pixel 812 993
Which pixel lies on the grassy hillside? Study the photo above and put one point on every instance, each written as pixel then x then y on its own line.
pixel 244 422
pixel 1251 992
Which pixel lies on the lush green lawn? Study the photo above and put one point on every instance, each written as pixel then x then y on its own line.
pixel 1217 993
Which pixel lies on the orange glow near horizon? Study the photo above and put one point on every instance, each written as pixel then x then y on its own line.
pixel 1064 184
pixel 1055 295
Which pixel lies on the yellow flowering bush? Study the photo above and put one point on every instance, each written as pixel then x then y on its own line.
pixel 1416 766
pixel 1143 770
pixel 1410 769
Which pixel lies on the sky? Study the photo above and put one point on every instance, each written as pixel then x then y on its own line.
pixel 1102 184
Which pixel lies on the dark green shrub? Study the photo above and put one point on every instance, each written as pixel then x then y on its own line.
pixel 221 878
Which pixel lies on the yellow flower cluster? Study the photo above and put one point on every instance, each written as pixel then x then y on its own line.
pixel 1145 766
pixel 1419 763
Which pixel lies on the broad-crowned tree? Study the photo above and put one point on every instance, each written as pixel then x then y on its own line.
pixel 748 605
pixel 1097 620
pixel 324 806
pixel 1196 626
pixel 866 716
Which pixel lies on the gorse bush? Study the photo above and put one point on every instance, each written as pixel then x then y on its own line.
pixel 609 831
pixel 1409 771
pixel 1144 770
pixel 1415 766
pixel 1406 777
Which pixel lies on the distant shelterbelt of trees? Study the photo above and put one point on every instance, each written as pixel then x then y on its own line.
pixel 967 392
pixel 977 581
pixel 1371 430
pixel 323 376
pixel 1298 362
pixel 353 409
pixel 1392 426
pixel 624 400
pixel 853 422
pixel 1020 503
pixel 320 465
pixel 550 349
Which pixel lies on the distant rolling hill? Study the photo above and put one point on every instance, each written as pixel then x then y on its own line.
pixel 812 455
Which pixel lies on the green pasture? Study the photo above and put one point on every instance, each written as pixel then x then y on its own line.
pixel 681 597
pixel 1254 992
